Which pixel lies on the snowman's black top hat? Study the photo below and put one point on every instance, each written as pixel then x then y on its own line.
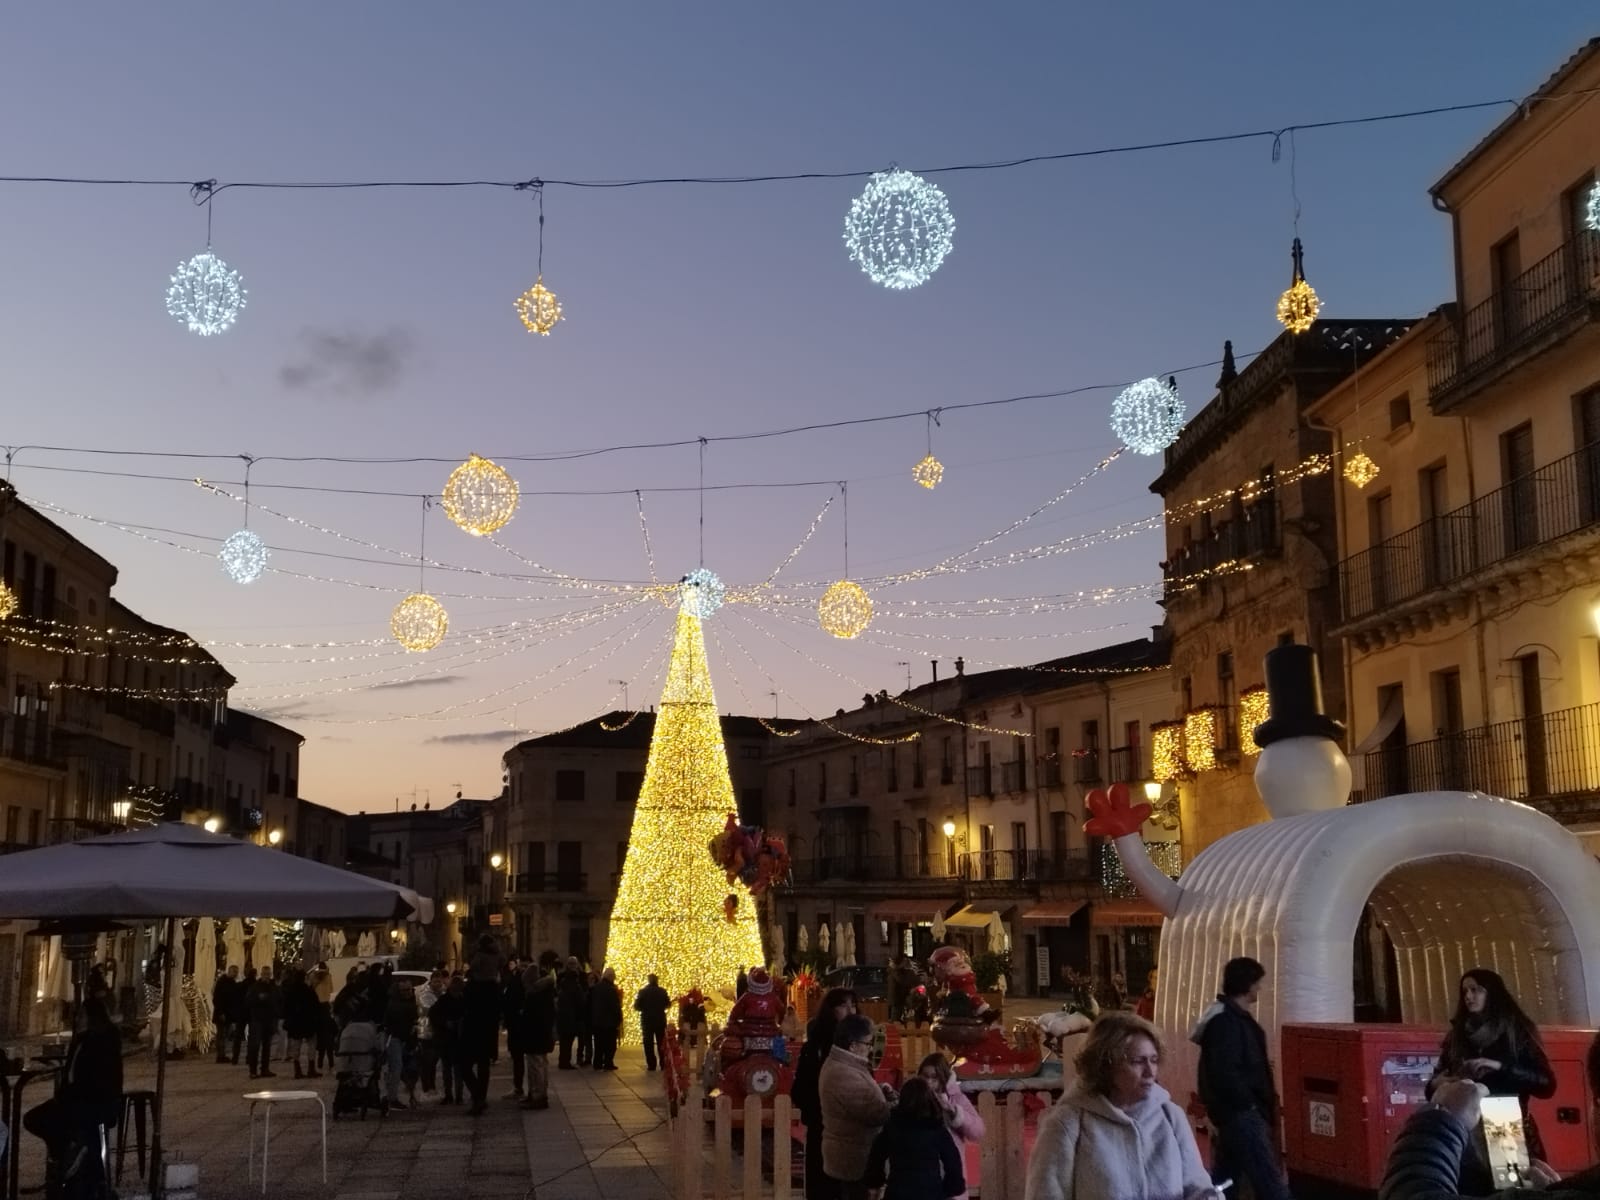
pixel 1294 698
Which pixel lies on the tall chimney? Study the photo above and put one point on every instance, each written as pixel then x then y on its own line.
pixel 936 670
pixel 961 665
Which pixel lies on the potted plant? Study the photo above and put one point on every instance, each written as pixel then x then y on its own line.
pixel 989 969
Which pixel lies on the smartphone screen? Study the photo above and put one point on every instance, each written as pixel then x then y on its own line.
pixel 1505 1142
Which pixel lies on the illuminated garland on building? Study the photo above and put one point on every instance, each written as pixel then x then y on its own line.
pixel 1167 857
pixel 1200 740
pixel 668 917
pixel 1253 709
pixel 1166 751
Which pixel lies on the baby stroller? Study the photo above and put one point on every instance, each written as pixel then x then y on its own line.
pixel 358 1066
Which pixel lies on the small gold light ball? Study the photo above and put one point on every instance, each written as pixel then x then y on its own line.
pixel 928 472
pixel 419 622
pixel 480 496
pixel 8 602
pixel 1359 469
pixel 1298 307
pixel 845 609
pixel 539 308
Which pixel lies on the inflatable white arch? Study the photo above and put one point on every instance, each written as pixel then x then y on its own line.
pixel 1458 880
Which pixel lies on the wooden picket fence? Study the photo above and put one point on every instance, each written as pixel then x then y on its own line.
pixel 769 1142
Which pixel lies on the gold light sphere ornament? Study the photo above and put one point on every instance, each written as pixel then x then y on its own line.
pixel 8 602
pixel 1298 307
pixel 419 622
pixel 845 609
pixel 928 472
pixel 1359 469
pixel 480 496
pixel 539 308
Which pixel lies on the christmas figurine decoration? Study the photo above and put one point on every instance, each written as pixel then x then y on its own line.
pixel 753 1058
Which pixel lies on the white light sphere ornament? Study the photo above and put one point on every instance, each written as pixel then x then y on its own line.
pixel 701 593
pixel 419 622
pixel 899 229
pixel 8 602
pixel 539 309
pixel 928 472
pixel 243 557
pixel 845 610
pixel 206 295
pixel 480 496
pixel 1147 416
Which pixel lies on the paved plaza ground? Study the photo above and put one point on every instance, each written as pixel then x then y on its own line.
pixel 604 1135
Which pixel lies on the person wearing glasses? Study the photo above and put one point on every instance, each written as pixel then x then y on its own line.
pixel 1116 1132
pixel 854 1107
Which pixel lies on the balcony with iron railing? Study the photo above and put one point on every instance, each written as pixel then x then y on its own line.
pixel 1086 766
pixel 863 868
pixel 1534 311
pixel 1050 774
pixel 980 780
pixel 1125 764
pixel 549 881
pixel 150 715
pixel 1557 500
pixel 1551 762
pixel 1256 532
pixel 1023 866
pixel 29 740
pixel 1014 777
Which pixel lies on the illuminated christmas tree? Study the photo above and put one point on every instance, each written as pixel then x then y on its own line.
pixel 668 919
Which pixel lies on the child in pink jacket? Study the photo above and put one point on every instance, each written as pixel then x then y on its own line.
pixel 960 1116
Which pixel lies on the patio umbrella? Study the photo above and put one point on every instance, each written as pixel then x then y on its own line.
pixel 204 967
pixel 850 945
pixel 938 925
pixel 263 947
pixel 366 945
pixel 997 934
pixel 823 937
pixel 840 946
pixel 802 941
pixel 233 943
pixel 175 1023
pixel 169 870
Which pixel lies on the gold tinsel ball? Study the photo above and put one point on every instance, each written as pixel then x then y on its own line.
pixel 1359 469
pixel 1298 307
pixel 8 602
pixel 419 622
pixel 539 308
pixel 480 496
pixel 928 472
pixel 845 609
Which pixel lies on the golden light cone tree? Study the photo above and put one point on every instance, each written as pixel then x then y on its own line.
pixel 668 918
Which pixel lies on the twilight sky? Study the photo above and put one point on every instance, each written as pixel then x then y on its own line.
pixel 380 323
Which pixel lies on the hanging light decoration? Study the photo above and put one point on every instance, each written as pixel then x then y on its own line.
pixel 845 609
pixel 243 557
pixel 929 470
pixel 701 593
pixel 205 293
pixel 1298 306
pixel 899 229
pixel 8 602
pixel 1591 212
pixel 480 496
pixel 419 622
pixel 1359 469
pixel 538 307
pixel 1148 416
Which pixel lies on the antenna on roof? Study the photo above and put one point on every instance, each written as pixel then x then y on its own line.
pixel 623 684
pixel 907 666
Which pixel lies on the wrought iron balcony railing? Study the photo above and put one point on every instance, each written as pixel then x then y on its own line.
pixel 1023 866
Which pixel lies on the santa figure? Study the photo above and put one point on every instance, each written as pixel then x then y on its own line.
pixel 755 1023
pixel 952 971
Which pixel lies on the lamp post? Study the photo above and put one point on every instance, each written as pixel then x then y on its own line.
pixel 212 824
pixel 949 828
pixel 274 837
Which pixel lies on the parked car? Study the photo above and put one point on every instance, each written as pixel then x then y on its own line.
pixel 868 983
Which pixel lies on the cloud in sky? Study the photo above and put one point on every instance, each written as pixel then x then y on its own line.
pixel 482 737
pixel 424 681
pixel 347 363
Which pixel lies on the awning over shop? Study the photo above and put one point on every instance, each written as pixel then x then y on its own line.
pixel 1054 912
pixel 1109 913
pixel 973 916
pixel 909 912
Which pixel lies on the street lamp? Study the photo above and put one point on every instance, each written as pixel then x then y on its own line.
pixel 451 908
pixel 212 824
pixel 497 860
pixel 275 837
pixel 1152 791
pixel 949 828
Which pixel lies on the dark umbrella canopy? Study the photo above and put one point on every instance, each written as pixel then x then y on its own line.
pixel 177 870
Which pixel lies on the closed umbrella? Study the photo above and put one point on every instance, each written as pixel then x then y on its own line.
pixel 177 1022
pixel 850 945
pixel 938 925
pixel 803 940
pixel 262 948
pixel 839 945
pixel 233 943
pixel 204 968
pixel 997 934
pixel 823 938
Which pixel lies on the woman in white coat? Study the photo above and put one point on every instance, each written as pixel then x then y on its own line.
pixel 960 1117
pixel 1117 1133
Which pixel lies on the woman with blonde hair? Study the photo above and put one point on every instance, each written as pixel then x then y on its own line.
pixel 1117 1133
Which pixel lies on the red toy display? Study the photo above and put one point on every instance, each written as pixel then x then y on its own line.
pixel 751 1051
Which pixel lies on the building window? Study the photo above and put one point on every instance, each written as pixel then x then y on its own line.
pixel 794 786
pixel 947 762
pixel 1399 412
pixel 628 785
pixel 822 782
pixel 916 763
pixel 855 775
pixel 891 769
pixel 569 787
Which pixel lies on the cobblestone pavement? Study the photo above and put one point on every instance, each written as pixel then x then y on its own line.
pixel 603 1136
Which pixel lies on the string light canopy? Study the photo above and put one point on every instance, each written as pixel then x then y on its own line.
pixel 205 294
pixel 700 593
pixel 1200 739
pixel 419 622
pixel 899 229
pixel 1298 306
pixel 480 496
pixel 243 556
pixel 1253 710
pixel 8 602
pixel 538 307
pixel 1148 416
pixel 929 470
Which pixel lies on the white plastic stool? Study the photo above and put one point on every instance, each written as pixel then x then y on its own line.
pixel 269 1099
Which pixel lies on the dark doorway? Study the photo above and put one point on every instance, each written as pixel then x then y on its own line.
pixel 1533 740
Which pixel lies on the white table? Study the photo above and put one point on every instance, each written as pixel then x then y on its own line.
pixel 258 1099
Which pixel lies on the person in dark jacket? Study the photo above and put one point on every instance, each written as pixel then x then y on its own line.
pixel 1427 1159
pixel 605 1020
pixel 444 1021
pixel 741 983
pixel 915 1146
pixel 652 1004
pixel 222 1011
pixel 263 1006
pixel 1493 1042
pixel 301 1017
pixel 1236 1085
pixel 400 1031
pixel 480 1023
pixel 836 1005
pixel 511 999
pixel 88 1095
pixel 571 1010
pixel 239 1013
pixel 539 1028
